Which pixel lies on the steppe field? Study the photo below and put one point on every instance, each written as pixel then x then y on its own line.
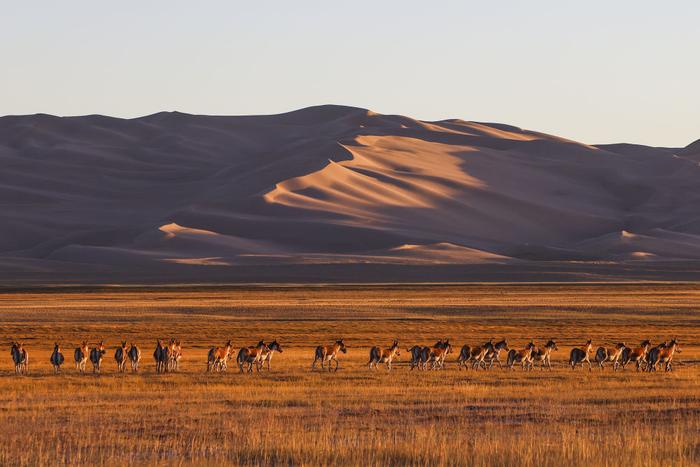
pixel 295 416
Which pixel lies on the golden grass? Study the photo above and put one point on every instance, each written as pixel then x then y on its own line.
pixel 294 416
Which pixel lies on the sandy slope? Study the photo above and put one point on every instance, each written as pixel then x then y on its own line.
pixel 334 185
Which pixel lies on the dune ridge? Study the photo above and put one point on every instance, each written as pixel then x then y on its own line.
pixel 331 184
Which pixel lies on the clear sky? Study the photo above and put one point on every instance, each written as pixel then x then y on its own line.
pixel 595 71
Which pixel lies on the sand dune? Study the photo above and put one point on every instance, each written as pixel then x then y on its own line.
pixel 331 184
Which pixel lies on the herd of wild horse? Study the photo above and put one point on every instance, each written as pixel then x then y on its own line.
pixel 167 356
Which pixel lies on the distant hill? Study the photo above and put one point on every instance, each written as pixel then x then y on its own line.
pixel 175 197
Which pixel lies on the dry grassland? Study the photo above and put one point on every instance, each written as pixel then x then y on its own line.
pixel 294 416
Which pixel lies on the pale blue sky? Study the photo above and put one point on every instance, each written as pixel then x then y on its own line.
pixel 595 71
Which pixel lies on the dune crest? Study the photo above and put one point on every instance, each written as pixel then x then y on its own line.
pixel 172 230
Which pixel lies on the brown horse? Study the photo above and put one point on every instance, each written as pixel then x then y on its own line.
pixel 543 355
pixel 20 357
pixel 80 356
pixel 218 357
pixel 96 356
pixel 134 355
pixel 661 354
pixel 638 355
pixel 666 354
pixel 523 356
pixel 268 352
pixel 378 355
pixel 427 353
pixel 465 355
pixel 57 358
pixel 487 352
pixel 415 352
pixel 161 355
pixel 475 355
pixel 328 354
pixel 439 354
pixel 120 357
pixel 607 354
pixel 578 356
pixel 251 356
pixel 174 355
pixel 493 354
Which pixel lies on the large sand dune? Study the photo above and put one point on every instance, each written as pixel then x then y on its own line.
pixel 173 196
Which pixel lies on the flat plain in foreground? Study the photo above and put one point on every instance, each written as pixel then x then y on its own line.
pixel 292 415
